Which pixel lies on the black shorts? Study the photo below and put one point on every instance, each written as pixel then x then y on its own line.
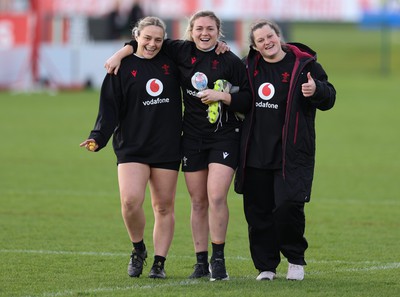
pixel 198 153
pixel 174 165
pixel 167 165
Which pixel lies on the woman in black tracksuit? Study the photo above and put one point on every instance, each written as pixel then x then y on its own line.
pixel 278 147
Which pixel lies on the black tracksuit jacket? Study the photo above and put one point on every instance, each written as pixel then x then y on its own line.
pixel 298 134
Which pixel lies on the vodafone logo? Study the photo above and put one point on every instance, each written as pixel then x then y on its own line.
pixel 266 91
pixel 154 87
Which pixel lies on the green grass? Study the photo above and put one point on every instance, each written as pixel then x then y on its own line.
pixel 61 229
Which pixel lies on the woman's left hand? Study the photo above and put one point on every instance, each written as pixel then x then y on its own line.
pixel 309 87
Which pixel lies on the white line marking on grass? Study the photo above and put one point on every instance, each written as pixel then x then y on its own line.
pixel 377 264
pixel 384 201
pixel 108 254
pixel 367 266
pixel 195 282
pixel 344 262
pixel 63 253
pixel 117 289
pixel 68 192
pixel 372 268
pixel 60 192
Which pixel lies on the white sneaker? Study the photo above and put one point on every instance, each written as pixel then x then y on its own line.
pixel 295 272
pixel 266 275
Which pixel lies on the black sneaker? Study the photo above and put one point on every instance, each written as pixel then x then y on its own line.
pixel 218 270
pixel 200 270
pixel 157 271
pixel 135 266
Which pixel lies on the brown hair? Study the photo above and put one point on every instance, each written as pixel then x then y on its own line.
pixel 261 23
pixel 199 14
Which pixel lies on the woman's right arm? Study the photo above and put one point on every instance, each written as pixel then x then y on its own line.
pixel 108 114
pixel 113 63
pixel 171 47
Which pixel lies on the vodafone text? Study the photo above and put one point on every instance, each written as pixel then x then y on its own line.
pixel 192 93
pixel 156 101
pixel 267 105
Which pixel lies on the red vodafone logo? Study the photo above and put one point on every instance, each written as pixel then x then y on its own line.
pixel 266 91
pixel 154 87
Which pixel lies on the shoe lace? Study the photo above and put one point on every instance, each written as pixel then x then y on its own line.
pixel 138 260
pixel 157 268
pixel 295 267
pixel 219 124
pixel 218 266
pixel 199 267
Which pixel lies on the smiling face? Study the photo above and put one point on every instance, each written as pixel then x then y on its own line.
pixel 268 43
pixel 150 40
pixel 205 33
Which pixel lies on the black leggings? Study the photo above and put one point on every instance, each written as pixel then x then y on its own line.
pixel 275 224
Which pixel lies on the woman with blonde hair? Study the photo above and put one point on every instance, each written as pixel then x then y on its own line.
pixel 141 107
pixel 210 140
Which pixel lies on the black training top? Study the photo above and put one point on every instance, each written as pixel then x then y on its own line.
pixel 226 66
pixel 142 107
pixel 271 86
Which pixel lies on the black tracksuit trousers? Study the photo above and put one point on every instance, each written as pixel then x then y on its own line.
pixel 275 224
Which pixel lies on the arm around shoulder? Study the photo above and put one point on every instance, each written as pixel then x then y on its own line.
pixel 114 62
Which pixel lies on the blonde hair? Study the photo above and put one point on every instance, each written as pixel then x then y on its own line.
pixel 148 21
pixel 200 14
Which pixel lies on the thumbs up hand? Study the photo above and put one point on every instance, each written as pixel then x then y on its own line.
pixel 309 87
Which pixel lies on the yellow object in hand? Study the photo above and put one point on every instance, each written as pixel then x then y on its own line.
pixel 214 109
pixel 91 146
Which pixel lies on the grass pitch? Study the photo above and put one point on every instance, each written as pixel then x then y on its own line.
pixel 61 229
